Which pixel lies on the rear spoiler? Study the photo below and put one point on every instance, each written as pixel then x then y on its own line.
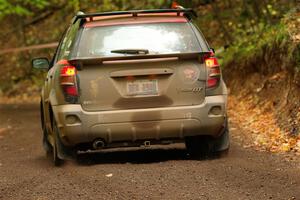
pixel 189 13
pixel 101 60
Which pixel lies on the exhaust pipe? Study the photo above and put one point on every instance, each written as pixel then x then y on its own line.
pixel 98 144
pixel 147 143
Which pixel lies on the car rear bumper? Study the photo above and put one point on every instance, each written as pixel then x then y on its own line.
pixel 79 126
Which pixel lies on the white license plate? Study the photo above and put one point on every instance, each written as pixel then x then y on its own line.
pixel 142 87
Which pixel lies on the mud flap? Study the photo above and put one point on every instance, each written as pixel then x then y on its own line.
pixel 63 152
pixel 223 142
pixel 46 144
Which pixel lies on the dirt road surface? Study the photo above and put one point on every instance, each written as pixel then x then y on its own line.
pixel 155 173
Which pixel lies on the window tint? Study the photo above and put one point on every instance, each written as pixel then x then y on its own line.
pixel 159 38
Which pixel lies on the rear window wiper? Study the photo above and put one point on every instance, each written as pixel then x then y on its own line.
pixel 131 51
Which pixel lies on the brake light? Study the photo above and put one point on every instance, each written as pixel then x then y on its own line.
pixel 211 62
pixel 71 90
pixel 68 80
pixel 213 71
pixel 68 71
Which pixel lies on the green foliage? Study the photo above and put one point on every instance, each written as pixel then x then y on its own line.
pixel 278 37
pixel 246 47
pixel 111 5
pixel 247 26
pixel 7 8
pixel 19 7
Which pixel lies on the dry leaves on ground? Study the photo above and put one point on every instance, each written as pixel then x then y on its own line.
pixel 260 122
pixel 20 99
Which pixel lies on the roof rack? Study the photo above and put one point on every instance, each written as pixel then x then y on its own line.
pixel 186 12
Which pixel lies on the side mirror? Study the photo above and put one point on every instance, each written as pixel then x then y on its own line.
pixel 40 63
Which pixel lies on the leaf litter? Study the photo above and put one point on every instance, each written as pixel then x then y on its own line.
pixel 259 121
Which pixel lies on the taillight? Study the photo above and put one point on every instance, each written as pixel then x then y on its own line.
pixel 68 80
pixel 213 71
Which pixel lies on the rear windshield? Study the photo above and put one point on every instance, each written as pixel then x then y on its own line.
pixel 158 38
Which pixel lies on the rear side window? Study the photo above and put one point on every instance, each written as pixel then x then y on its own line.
pixel 158 38
pixel 67 42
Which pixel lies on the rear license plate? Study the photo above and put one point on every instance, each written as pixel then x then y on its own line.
pixel 142 87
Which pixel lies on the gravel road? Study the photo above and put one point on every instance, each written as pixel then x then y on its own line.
pixel 155 173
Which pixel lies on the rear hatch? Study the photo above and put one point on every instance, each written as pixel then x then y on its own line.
pixel 145 65
pixel 145 83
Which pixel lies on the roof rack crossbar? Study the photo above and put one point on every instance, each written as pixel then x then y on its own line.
pixel 188 12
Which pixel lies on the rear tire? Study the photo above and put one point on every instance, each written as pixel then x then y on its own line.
pixel 207 146
pixel 198 146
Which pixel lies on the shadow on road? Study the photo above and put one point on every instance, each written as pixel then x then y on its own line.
pixel 138 156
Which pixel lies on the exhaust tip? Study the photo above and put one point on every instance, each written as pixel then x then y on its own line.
pixel 98 144
pixel 147 143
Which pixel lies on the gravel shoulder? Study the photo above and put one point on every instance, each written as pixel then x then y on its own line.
pixel 155 173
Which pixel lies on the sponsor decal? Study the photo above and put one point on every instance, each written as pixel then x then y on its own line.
pixel 194 90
